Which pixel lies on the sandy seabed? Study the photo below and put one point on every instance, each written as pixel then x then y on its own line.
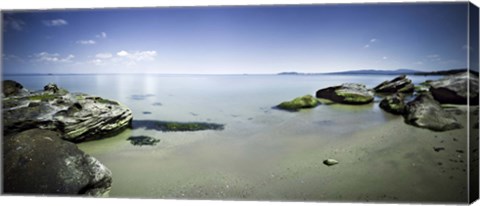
pixel 390 162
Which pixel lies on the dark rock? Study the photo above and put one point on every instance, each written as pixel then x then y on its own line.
pixel 330 162
pixel 38 161
pixel 438 149
pixel 456 89
pixel 349 93
pixel 146 112
pixel 393 103
pixel 77 116
pixel 143 140
pixel 50 87
pixel 425 112
pixel 399 84
pixel 11 87
pixel 304 102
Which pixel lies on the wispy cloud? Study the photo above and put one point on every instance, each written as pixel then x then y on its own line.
pixel 52 57
pixel 104 55
pixel 86 42
pixel 371 42
pixel 13 23
pixel 384 58
pixel 55 22
pixel 434 57
pixel 102 35
pixel 11 57
pixel 138 55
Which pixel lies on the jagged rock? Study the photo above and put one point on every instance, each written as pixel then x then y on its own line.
pixel 77 116
pixel 394 103
pixel 307 101
pixel 38 161
pixel 51 88
pixel 11 87
pixel 425 112
pixel 349 93
pixel 399 84
pixel 454 89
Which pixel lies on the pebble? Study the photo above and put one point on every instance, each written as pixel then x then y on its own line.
pixel 330 162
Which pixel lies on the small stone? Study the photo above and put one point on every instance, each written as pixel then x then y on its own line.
pixel 330 162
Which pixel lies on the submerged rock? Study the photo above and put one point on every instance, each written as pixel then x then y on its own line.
pixel 399 84
pixel 393 103
pixel 456 89
pixel 165 126
pixel 307 101
pixel 143 140
pixel 38 161
pixel 330 162
pixel 77 116
pixel 349 93
pixel 425 112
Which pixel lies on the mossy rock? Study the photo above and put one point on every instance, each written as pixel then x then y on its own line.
pixel 307 101
pixel 42 97
pixel 393 104
pixel 348 93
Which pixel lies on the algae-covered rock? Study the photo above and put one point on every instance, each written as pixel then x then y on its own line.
pixel 394 103
pixel 456 89
pixel 349 93
pixel 38 161
pixel 77 116
pixel 307 101
pixel 426 112
pixel 166 126
pixel 399 84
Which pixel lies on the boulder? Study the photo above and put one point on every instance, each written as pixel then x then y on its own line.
pixel 38 161
pixel 11 87
pixel 426 112
pixel 51 88
pixel 77 116
pixel 307 101
pixel 399 84
pixel 454 89
pixel 349 93
pixel 330 162
pixel 394 103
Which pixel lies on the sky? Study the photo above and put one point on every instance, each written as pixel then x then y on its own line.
pixel 237 39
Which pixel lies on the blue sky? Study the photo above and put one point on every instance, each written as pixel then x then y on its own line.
pixel 235 40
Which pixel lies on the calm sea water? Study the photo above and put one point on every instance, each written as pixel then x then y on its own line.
pixel 258 145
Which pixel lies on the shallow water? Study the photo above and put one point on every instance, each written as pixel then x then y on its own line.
pixel 262 154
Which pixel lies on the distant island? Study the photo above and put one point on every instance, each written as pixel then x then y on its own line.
pixel 386 72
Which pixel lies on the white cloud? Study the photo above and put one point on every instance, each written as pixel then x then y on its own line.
pixel 419 63
pixel 53 57
pixel 122 53
pixel 102 35
pixel 86 42
pixel 103 55
pixel 142 55
pixel 384 58
pixel 366 46
pixel 373 40
pixel 11 57
pixel 55 22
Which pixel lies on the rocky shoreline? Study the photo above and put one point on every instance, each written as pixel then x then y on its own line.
pixel 40 129
pixel 425 110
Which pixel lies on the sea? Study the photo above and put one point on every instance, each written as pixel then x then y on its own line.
pixel 257 154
